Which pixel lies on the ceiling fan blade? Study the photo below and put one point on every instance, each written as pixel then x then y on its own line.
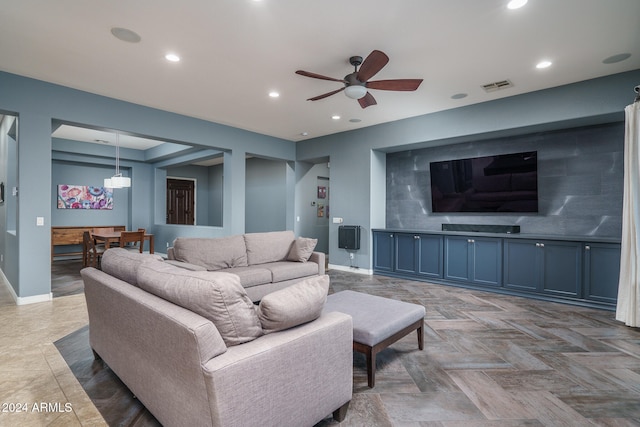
pixel 315 98
pixel 318 76
pixel 367 100
pixel 400 84
pixel 372 64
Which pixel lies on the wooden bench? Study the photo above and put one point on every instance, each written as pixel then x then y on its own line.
pixel 72 235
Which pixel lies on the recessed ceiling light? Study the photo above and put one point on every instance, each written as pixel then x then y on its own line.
pixel 172 57
pixel 335 117
pixel 459 96
pixel 304 133
pixel 616 58
pixel 274 94
pixel 516 4
pixel 355 120
pixel 125 35
pixel 543 64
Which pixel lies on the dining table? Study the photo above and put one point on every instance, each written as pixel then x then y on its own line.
pixel 113 238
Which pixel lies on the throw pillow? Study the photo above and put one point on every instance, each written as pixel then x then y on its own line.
pixel 293 305
pixel 216 296
pixel 301 249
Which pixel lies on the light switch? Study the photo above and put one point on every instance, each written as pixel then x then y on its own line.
pixel 40 221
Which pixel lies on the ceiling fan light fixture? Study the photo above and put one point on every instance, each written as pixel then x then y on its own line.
pixel 355 91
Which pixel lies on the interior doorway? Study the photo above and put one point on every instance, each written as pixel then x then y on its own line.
pixel 313 202
pixel 181 201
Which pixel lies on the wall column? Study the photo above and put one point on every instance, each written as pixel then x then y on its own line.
pixel 34 201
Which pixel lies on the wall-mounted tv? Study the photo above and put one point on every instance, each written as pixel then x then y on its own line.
pixel 501 183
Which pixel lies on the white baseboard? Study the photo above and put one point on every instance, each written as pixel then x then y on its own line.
pixel 24 300
pixel 34 299
pixel 364 271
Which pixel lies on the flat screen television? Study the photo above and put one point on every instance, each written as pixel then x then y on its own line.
pixel 501 183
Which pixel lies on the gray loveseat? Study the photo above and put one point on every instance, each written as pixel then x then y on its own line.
pixel 265 262
pixel 196 351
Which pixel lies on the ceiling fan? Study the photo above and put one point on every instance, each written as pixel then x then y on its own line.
pixel 357 83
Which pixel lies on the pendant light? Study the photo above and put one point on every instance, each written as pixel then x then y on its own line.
pixel 117 180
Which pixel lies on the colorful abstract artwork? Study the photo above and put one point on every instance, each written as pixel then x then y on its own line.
pixel 84 197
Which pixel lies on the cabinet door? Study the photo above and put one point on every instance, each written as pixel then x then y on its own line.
pixel 473 259
pixel 601 272
pixel 406 254
pixel 562 268
pixel 383 251
pixel 457 258
pixel 522 265
pixel 429 255
pixel 487 261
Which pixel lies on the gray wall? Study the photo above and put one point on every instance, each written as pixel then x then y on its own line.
pixel 309 176
pixel 39 104
pixel 208 191
pixel 580 183
pixel 358 158
pixel 63 172
pixel 266 195
pixel 216 194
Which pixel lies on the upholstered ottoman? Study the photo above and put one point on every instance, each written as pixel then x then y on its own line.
pixel 377 323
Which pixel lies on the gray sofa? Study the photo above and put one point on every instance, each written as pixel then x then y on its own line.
pixel 196 351
pixel 265 262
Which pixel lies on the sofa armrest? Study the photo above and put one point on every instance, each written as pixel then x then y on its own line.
pixel 156 348
pixel 185 265
pixel 291 378
pixel 319 258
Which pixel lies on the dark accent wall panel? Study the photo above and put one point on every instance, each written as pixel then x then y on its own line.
pixel 580 183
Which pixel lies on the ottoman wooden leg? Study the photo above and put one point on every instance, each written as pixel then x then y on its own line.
pixel 370 356
pixel 371 368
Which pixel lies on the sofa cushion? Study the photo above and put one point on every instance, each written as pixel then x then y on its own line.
pixel 123 264
pixel 301 249
pixel 268 247
pixel 216 296
pixel 213 253
pixel 293 305
pixel 251 276
pixel 287 270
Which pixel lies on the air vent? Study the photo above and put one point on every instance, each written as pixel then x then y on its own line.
pixel 492 87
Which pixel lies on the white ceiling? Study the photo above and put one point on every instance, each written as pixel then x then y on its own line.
pixel 235 51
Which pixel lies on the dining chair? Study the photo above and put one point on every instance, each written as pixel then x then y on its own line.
pixel 132 240
pixel 102 230
pixel 91 254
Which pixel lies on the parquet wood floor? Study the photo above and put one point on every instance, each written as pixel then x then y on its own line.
pixel 489 360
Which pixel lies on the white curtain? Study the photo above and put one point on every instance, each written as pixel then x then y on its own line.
pixel 628 307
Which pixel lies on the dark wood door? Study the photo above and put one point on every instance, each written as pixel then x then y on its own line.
pixel 180 201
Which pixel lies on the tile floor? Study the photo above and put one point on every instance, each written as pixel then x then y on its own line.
pixel 489 360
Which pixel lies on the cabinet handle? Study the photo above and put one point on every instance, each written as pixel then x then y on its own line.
pixel 587 247
pixel 537 245
pixel 416 237
pixel 390 235
pixel 470 241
